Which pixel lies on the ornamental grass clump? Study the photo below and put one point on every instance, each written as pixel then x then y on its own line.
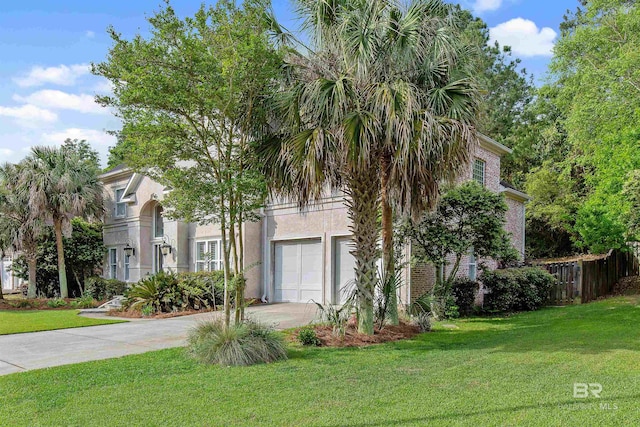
pixel 244 344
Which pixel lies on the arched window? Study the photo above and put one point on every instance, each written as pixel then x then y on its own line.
pixel 158 222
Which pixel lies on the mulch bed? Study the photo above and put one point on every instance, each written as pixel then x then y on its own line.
pixel 354 339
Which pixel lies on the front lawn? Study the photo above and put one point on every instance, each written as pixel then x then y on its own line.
pixel 18 321
pixel 519 370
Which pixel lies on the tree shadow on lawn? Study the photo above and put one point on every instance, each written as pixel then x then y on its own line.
pixel 588 329
pixel 572 405
pixel 593 328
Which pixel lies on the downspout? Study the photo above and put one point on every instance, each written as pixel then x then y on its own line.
pixel 265 254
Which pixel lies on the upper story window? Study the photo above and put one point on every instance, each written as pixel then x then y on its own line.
pixel 479 167
pixel 121 207
pixel 158 222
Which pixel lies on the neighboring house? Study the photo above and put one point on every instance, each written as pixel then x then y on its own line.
pixel 9 281
pixel 296 256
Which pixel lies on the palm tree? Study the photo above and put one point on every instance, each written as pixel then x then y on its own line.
pixel 62 184
pixel 18 228
pixel 379 105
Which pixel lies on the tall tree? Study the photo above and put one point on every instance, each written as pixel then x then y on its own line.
pixel 378 106
pixel 191 99
pixel 62 183
pixel 18 228
pixel 595 85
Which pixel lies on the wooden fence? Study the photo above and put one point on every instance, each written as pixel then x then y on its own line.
pixel 583 281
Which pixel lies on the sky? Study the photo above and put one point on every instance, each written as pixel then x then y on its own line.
pixel 47 92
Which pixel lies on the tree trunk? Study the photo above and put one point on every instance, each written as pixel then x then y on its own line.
pixel 32 264
pixel 242 280
pixel 388 258
pixel 226 267
pixel 363 208
pixel 62 271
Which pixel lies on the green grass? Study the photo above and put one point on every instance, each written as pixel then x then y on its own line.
pixel 504 371
pixel 19 321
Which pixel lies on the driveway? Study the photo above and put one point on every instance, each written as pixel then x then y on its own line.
pixel 35 350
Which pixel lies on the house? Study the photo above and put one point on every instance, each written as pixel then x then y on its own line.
pixel 10 282
pixel 296 256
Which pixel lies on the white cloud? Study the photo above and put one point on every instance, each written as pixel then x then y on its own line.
pixel 104 86
pixel 27 113
pixel 486 5
pixel 6 152
pixel 524 37
pixel 56 99
pixel 90 34
pixel 62 75
pixel 92 136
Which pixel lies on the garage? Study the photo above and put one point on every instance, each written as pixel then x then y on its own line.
pixel 344 263
pixel 298 271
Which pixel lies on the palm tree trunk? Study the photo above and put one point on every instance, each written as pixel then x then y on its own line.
pixel 32 264
pixel 363 208
pixel 388 258
pixel 62 271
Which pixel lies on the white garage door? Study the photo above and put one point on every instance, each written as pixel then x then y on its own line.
pixel 298 271
pixel 344 262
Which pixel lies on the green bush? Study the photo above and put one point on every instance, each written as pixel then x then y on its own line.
pixel 86 301
pixel 101 289
pixel 207 280
pixel 464 293
pixel 169 292
pixel 516 289
pixel 308 336
pixel 245 344
pixel 438 307
pixel 56 303
pixel 423 321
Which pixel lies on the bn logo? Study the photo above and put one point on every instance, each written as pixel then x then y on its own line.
pixel 584 390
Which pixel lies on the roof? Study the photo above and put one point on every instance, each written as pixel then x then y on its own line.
pixel 493 145
pixel 121 169
pixel 510 191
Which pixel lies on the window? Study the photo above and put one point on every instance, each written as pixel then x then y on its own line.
pixel 158 258
pixel 126 266
pixel 473 266
pixel 158 222
pixel 113 263
pixel 478 171
pixel 121 207
pixel 209 255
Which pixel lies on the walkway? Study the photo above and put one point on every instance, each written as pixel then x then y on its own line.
pixel 35 350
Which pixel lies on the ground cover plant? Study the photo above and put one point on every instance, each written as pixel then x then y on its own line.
pixel 19 321
pixel 516 370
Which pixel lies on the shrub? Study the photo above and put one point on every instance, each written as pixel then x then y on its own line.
pixel 204 282
pixel 337 317
pixel 22 304
pixel 308 336
pixel 438 307
pixel 169 292
pixel 244 344
pixel 422 321
pixel 102 289
pixel 464 293
pixel 516 289
pixel 84 302
pixel 56 303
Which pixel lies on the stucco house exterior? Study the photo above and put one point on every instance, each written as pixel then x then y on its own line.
pixel 297 256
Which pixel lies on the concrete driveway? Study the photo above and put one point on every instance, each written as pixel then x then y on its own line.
pixel 35 350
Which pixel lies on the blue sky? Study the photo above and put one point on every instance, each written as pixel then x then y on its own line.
pixel 46 91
